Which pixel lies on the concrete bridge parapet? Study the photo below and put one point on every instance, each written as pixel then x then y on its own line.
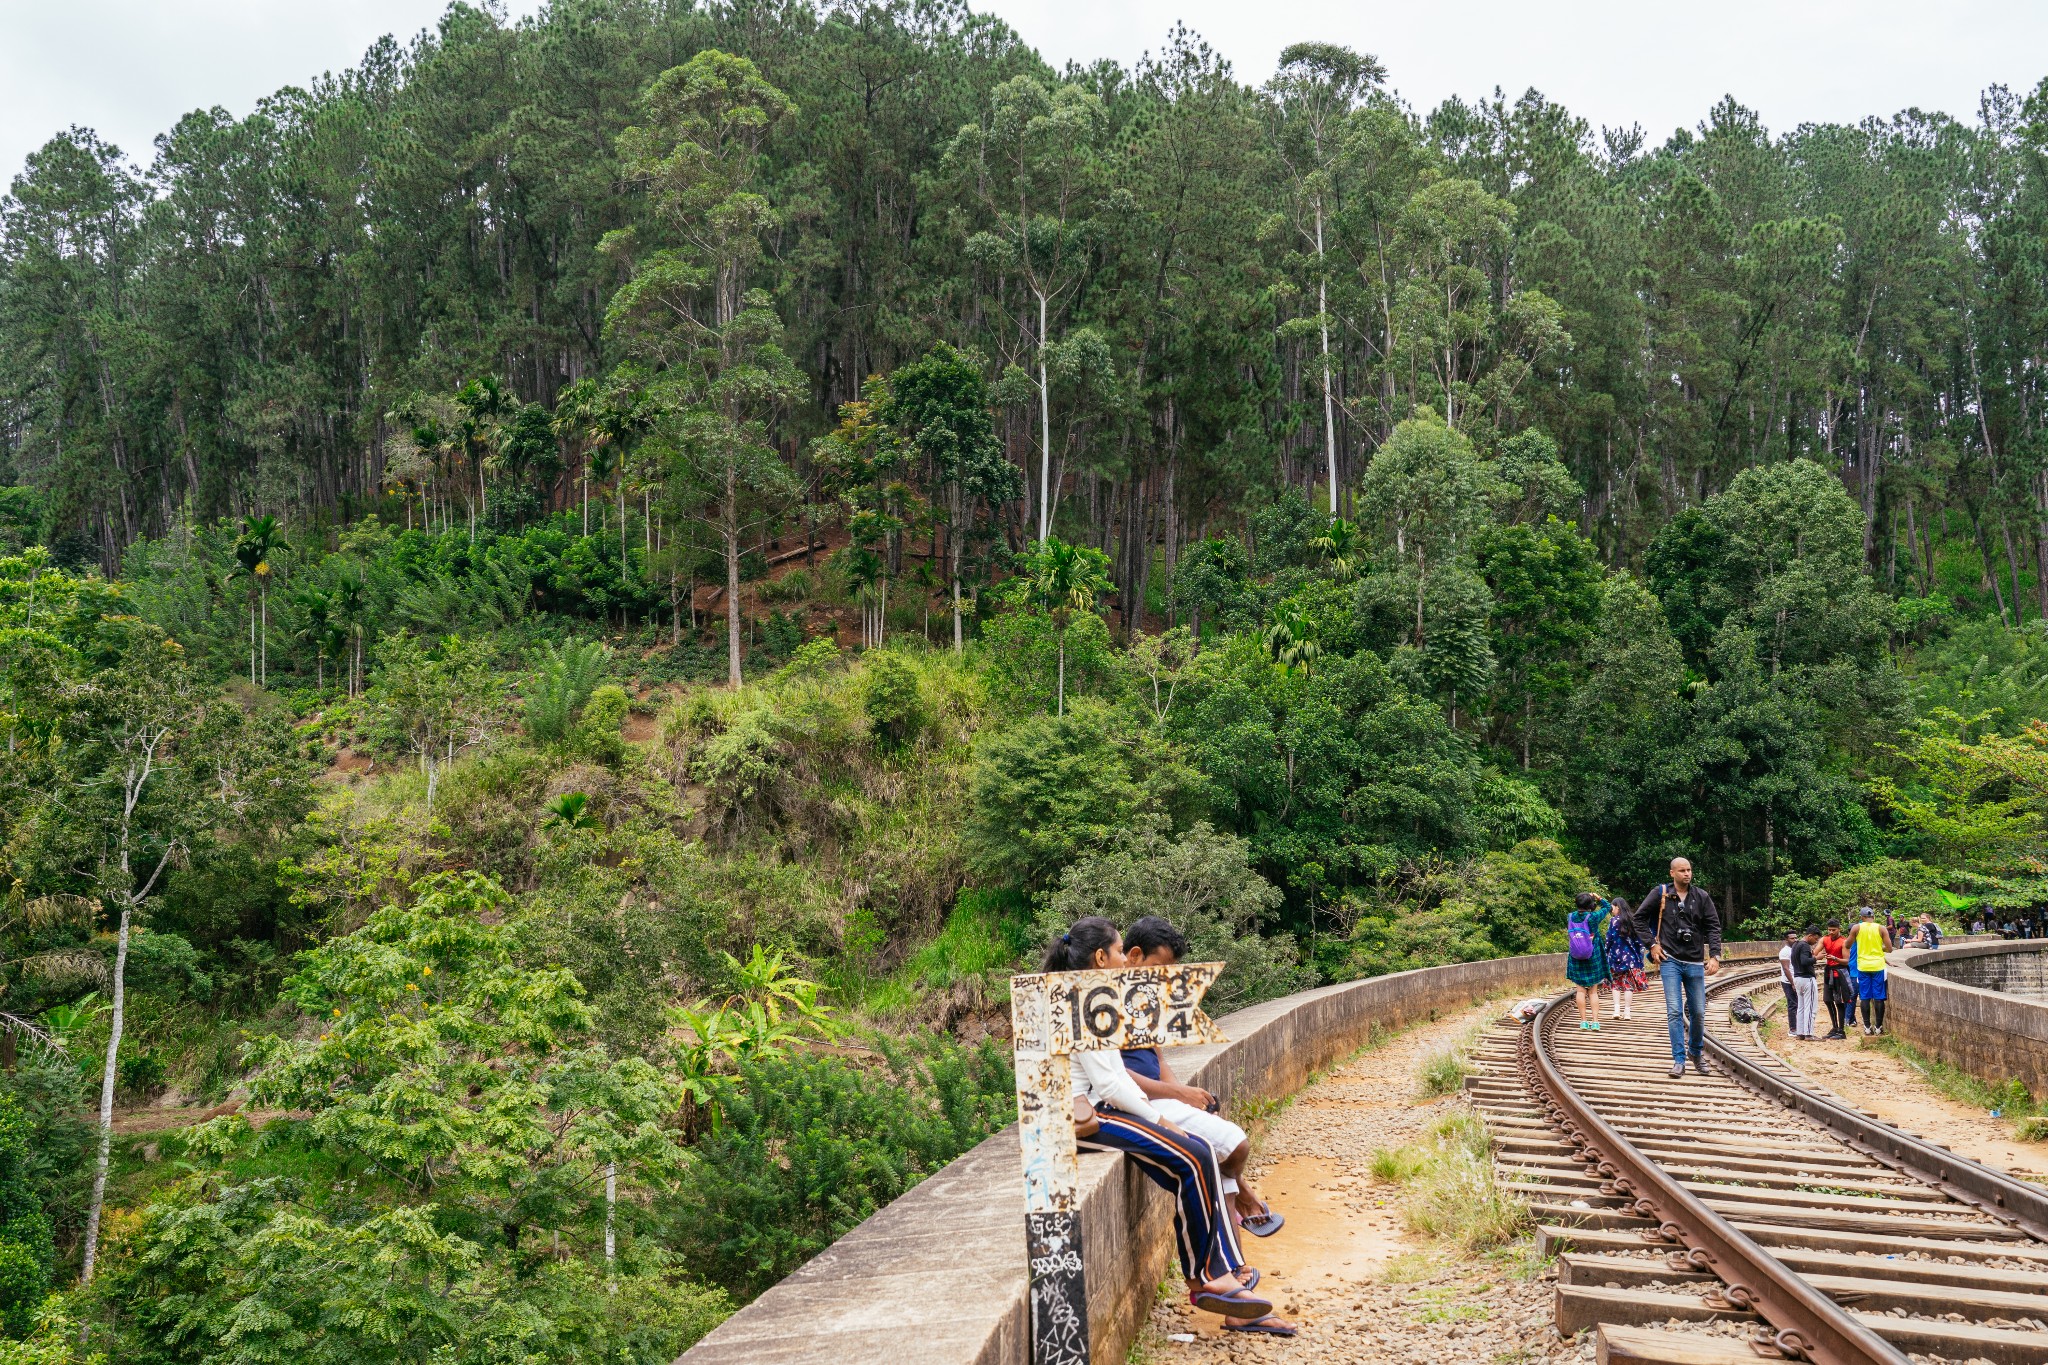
pixel 1981 1007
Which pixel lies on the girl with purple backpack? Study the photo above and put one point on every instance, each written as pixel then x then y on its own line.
pixel 1586 956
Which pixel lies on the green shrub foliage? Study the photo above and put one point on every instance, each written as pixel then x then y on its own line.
pixel 25 1238
pixel 810 1146
pixel 380 557
pixel 1204 883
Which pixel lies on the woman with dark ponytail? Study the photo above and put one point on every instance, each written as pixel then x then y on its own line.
pixel 1093 944
pixel 1179 1163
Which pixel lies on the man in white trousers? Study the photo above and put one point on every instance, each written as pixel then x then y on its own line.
pixel 1805 985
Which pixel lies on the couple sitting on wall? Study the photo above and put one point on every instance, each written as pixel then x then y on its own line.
pixel 1174 1134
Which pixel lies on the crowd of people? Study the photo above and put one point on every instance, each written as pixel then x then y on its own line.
pixel 2029 923
pixel 1676 930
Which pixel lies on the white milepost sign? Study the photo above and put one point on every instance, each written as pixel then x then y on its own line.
pixel 1052 1016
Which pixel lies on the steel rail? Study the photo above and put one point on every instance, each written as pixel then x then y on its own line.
pixel 1989 1191
pixel 1804 1324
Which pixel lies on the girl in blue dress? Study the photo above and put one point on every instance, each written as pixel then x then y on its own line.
pixel 1626 954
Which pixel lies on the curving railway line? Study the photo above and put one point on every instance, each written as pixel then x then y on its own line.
pixel 1746 1213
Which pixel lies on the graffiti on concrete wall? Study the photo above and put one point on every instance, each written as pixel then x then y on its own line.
pixel 1053 1016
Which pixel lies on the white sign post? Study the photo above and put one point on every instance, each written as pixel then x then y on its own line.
pixel 1052 1016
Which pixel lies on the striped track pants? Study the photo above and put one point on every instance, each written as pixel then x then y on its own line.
pixel 1184 1166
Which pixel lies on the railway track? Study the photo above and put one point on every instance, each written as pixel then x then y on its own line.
pixel 1746 1212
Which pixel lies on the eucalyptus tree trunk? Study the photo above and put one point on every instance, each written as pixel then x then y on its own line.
pixel 2041 541
pixel 611 1206
pixel 141 764
pixel 1044 433
pixel 1323 316
pixel 106 1144
pixel 730 533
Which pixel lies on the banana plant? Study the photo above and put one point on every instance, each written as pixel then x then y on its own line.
pixel 764 979
pixel 61 1021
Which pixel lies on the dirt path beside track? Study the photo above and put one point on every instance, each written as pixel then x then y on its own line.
pixel 1362 1286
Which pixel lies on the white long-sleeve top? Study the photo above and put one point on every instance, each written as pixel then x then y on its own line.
pixel 1101 1077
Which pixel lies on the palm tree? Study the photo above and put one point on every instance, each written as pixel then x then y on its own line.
pixel 926 576
pixel 1338 545
pixel 866 573
pixel 571 810
pixel 1066 579
pixel 577 426
pixel 261 538
pixel 318 609
pixel 1291 641
pixel 351 608
pixel 485 405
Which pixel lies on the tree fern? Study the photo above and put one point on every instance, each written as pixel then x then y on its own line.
pixel 565 676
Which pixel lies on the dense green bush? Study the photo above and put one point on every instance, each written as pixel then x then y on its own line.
pixel 1051 788
pixel 1204 883
pixel 25 1245
pixel 1021 651
pixel 1335 777
pixel 1438 910
pixel 894 705
pixel 1888 885
pixel 1984 668
pixel 1524 893
pixel 812 1145
pixel 597 734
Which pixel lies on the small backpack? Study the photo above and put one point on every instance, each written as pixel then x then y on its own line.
pixel 1578 932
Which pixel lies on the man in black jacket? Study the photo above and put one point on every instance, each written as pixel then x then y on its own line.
pixel 1687 950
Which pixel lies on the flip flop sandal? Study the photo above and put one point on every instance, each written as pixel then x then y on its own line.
pixel 1264 1223
pixel 1250 1278
pixel 1238 1303
pixel 1267 1326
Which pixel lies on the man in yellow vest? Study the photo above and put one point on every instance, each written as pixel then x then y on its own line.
pixel 1867 947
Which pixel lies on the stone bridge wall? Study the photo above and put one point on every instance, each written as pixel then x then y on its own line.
pixel 2016 968
pixel 937 1277
pixel 1982 1007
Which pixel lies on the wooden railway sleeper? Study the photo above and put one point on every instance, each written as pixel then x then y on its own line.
pixel 1969 1183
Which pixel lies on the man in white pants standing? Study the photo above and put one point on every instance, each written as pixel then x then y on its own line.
pixel 1805 988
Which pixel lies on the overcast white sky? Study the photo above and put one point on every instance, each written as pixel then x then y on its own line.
pixel 130 67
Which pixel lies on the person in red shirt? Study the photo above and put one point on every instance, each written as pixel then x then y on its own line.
pixel 1836 991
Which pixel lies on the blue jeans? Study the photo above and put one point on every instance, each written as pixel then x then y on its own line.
pixel 1685 983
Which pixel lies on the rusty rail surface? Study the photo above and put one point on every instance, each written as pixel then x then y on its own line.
pixel 1802 1323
